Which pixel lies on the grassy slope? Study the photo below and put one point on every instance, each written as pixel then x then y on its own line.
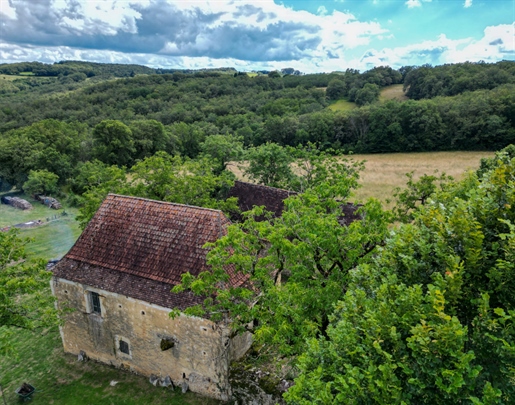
pixel 393 92
pixel 342 105
pixel 52 239
pixel 60 379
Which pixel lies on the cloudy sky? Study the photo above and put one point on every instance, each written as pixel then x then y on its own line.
pixel 311 36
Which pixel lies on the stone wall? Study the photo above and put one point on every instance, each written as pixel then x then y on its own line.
pixel 197 350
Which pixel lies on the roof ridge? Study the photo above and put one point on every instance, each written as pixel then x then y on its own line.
pixel 262 185
pixel 166 202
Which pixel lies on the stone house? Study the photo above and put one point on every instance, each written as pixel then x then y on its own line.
pixel 250 195
pixel 117 280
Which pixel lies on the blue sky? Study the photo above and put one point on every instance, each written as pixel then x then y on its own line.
pixel 311 36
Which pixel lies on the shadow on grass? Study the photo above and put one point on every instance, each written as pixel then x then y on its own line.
pixel 60 379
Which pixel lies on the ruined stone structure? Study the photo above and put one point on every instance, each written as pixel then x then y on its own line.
pixel 250 195
pixel 117 278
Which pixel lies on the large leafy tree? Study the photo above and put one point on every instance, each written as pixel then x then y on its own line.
pixel 46 145
pixel 269 164
pixel 431 318
pixel 41 182
pixel 113 143
pixel 160 177
pixel 297 265
pixel 25 301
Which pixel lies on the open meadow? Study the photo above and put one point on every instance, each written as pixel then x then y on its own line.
pixel 53 238
pixel 385 172
pixel 393 92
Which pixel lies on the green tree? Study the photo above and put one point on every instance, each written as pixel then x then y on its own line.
pixel 149 137
pixel 269 164
pixel 297 266
pixel 25 301
pixel 336 89
pixel 159 177
pixel 181 180
pixel 415 193
pixel 113 143
pixel 314 167
pixel 41 182
pixel 223 148
pixel 367 95
pixel 431 318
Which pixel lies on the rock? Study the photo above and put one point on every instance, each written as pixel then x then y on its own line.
pixel 154 379
pixel 184 387
pixel 82 356
pixel 166 382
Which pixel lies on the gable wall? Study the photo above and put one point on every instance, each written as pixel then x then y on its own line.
pixel 202 350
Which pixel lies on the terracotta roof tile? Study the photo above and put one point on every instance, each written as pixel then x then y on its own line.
pixel 250 195
pixel 144 289
pixel 149 240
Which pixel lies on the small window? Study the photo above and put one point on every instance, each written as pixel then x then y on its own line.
pixel 124 347
pixel 95 303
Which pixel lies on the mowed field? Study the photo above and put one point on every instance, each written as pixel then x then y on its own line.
pixel 56 234
pixel 385 172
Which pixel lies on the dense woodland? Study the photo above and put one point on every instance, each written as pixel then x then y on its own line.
pixel 409 306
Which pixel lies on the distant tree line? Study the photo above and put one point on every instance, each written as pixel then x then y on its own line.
pixel 54 125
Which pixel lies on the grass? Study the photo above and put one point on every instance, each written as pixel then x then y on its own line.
pixel 52 239
pixel 60 379
pixel 9 77
pixel 394 92
pixel 385 172
pixel 342 105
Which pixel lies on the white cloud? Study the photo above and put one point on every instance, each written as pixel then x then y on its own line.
pixel 497 43
pixel 7 9
pixel 416 3
pixel 322 11
pixel 467 4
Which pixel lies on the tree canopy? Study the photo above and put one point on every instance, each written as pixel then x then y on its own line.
pixel 25 301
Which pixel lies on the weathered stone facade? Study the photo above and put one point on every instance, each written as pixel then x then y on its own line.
pixel 200 351
pixel 117 280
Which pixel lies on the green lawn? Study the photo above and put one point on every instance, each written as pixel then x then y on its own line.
pixel 342 105
pixel 52 239
pixel 60 379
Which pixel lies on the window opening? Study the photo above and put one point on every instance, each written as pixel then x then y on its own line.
pixel 167 343
pixel 95 302
pixel 124 347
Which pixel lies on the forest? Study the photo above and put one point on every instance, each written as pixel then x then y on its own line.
pixel 412 305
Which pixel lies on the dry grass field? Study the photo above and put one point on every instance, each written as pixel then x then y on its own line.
pixel 385 172
pixel 394 92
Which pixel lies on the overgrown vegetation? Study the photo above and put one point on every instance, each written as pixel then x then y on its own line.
pixel 413 305
pixel 417 314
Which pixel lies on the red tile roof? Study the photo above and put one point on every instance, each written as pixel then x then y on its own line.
pixel 144 289
pixel 250 195
pixel 147 239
